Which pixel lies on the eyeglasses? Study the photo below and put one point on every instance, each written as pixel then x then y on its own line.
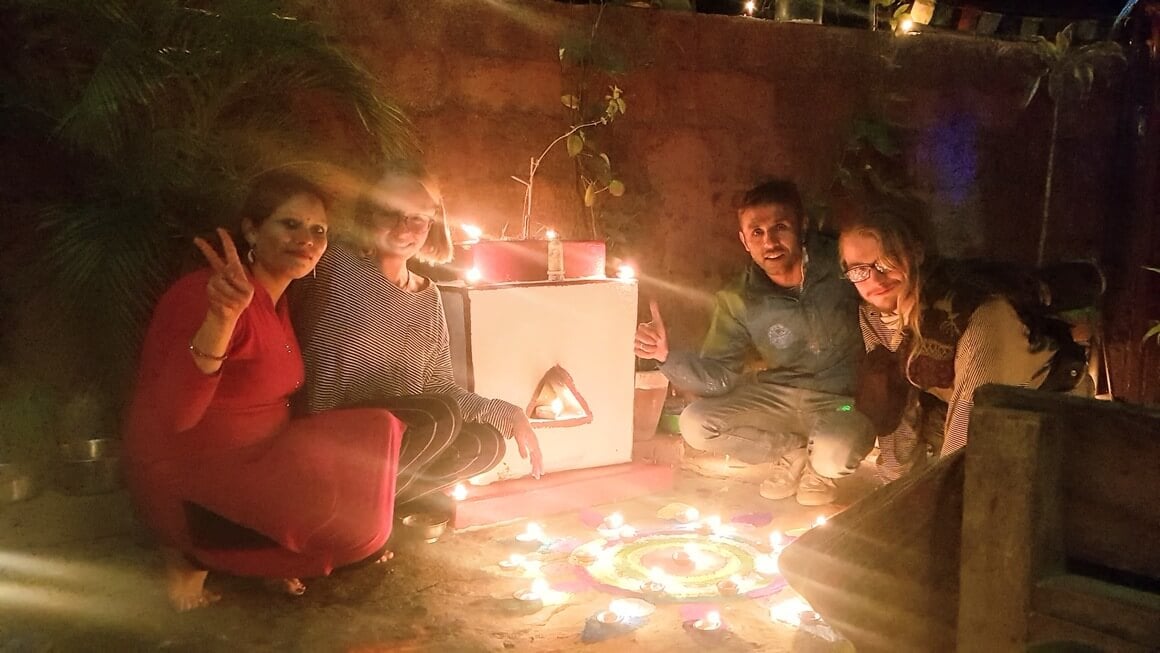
pixel 396 218
pixel 860 273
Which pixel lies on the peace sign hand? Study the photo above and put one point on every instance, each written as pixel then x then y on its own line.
pixel 651 339
pixel 229 289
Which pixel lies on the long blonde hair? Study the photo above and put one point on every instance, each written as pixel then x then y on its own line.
pixel 902 249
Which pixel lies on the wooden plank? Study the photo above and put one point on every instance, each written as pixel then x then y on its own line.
pixel 1124 614
pixel 1011 524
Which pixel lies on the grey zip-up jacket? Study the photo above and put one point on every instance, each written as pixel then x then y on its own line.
pixel 809 341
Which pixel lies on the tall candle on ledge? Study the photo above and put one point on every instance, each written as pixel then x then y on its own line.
pixel 555 257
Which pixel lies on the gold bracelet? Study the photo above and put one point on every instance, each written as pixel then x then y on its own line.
pixel 201 354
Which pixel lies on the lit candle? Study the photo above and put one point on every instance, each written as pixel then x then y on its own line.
pixel 543 411
pixel 473 275
pixel 555 257
pixel 766 565
pixel 513 561
pixel 533 596
pixel 689 516
pixel 460 492
pixel 533 533
pixel 711 525
pixel 557 407
pixel 710 622
pixel 775 541
pixel 473 232
pixel 820 521
pixel 625 273
pixel 683 558
pixel 750 7
pixel 615 520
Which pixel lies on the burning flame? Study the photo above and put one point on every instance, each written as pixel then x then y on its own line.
pixel 557 407
pixel 473 232
pixel 473 276
pixel 820 521
pixel 460 492
pixel 750 7
pixel 625 273
pixel 551 234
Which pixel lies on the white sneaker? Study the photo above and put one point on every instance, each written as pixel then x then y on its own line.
pixel 814 489
pixel 787 472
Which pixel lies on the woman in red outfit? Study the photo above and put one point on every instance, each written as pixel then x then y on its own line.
pixel 216 467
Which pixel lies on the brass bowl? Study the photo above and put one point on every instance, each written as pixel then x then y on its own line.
pixel 425 526
pixel 19 481
pixel 89 466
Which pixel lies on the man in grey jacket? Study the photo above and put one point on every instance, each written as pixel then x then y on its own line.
pixel 792 306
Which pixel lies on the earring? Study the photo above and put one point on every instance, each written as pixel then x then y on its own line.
pixel 250 255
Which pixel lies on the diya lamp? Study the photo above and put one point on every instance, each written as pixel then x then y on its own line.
pixel 766 565
pixel 687 556
pixel 550 410
pixel 710 525
pixel 532 534
pixel 688 516
pixel 654 586
pixel 533 598
pixel 776 542
pixel 610 617
pixel 710 623
pixel 609 529
pixel 729 586
pixel 514 561
pixel 584 555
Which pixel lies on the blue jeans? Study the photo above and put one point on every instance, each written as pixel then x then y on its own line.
pixel 759 422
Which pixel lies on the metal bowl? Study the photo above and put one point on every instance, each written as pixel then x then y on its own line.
pixel 19 481
pixel 425 526
pixel 89 466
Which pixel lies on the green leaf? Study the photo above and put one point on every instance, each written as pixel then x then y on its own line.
pixel 1154 332
pixel 590 195
pixel 604 158
pixel 575 144
pixel 616 188
pixel 1063 39
pixel 621 105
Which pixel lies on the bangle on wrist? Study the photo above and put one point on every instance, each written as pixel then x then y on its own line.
pixel 201 354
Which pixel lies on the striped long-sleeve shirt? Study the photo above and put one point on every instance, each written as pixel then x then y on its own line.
pixel 364 338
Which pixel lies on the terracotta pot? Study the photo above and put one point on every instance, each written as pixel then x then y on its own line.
pixel 648 403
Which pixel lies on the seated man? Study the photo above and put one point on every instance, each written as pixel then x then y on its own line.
pixel 791 305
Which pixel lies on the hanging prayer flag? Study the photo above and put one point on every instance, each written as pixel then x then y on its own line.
pixel 944 14
pixel 922 11
pixel 988 22
pixel 969 19
pixel 1030 27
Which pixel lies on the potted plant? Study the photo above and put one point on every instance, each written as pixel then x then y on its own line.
pixel 540 252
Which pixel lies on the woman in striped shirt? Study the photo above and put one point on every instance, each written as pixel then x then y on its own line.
pixel 955 326
pixel 374 333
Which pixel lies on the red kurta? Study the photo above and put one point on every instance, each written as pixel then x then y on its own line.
pixel 321 487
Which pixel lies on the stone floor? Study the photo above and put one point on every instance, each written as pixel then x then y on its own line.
pixel 77 574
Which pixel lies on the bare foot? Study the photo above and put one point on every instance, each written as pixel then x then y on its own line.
pixel 185 584
pixel 287 586
pixel 386 557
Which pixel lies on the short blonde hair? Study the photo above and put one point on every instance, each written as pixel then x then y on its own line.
pixel 437 248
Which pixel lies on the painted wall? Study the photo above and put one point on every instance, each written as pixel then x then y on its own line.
pixel 714 104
